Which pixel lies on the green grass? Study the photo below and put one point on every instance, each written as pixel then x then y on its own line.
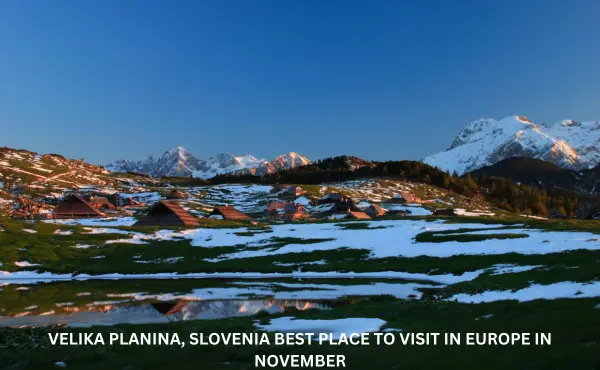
pixel 574 326
pixel 574 323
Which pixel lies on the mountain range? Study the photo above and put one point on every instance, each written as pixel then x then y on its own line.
pixel 568 144
pixel 180 162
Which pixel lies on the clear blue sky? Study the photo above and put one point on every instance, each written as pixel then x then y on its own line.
pixel 377 79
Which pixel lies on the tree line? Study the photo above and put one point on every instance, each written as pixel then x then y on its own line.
pixel 500 192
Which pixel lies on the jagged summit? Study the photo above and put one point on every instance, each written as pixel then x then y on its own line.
pixel 181 162
pixel 483 142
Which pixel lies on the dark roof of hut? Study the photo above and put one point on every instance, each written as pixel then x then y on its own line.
pixel 175 194
pixel 101 201
pixel 375 209
pixel 167 214
pixel 230 213
pixel 358 215
pixel 75 206
pixel 276 205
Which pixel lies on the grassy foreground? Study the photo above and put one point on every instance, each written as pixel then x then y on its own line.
pixel 574 326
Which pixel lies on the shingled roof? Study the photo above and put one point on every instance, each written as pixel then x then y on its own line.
pixel 375 210
pixel 176 194
pixel 229 213
pixel 274 206
pixel 101 202
pixel 167 214
pixel 358 215
pixel 74 206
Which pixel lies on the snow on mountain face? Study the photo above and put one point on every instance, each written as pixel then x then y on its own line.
pixel 180 162
pixel 290 160
pixel 569 144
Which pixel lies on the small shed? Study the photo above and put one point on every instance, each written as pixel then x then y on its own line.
pixel 130 202
pixel 374 210
pixel 294 212
pixel 175 195
pixel 292 192
pixel 74 206
pixel 404 197
pixel 166 213
pixel 274 210
pixel 101 203
pixel 274 206
pixel 229 213
pixel 358 215
pixel 277 188
pixel 334 198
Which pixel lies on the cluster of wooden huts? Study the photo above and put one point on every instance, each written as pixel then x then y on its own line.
pixel 90 205
pixel 290 206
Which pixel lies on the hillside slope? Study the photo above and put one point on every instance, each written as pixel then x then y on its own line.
pixel 543 174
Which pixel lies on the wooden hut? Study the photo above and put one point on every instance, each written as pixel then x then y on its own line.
pixel 294 212
pixel 130 202
pixel 334 198
pixel 166 213
pixel 274 210
pixel 101 203
pixel 277 188
pixel 74 206
pixel 228 213
pixel 176 195
pixel 291 192
pixel 285 211
pixel 375 210
pixel 358 215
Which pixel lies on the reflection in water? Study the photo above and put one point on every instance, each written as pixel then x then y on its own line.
pixel 111 313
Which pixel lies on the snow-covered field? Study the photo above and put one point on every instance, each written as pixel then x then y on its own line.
pixel 382 238
pixel 112 221
pixel 565 289
pixel 336 328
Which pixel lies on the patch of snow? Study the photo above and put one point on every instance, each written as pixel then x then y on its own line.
pixel 32 277
pixel 60 232
pixel 565 289
pixel 319 262
pixel 163 260
pixel 112 221
pixel 304 201
pixel 512 269
pixel 393 238
pixel 25 264
pixel 337 327
pixel 82 246
pixel 464 212
pixel 415 210
pixel 391 330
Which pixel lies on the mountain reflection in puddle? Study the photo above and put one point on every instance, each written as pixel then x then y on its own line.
pixel 159 312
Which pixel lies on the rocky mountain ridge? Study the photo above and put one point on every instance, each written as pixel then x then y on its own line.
pixel 181 162
pixel 569 144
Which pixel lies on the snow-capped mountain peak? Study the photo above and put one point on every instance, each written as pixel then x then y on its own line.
pixel 180 162
pixel 290 160
pixel 483 142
